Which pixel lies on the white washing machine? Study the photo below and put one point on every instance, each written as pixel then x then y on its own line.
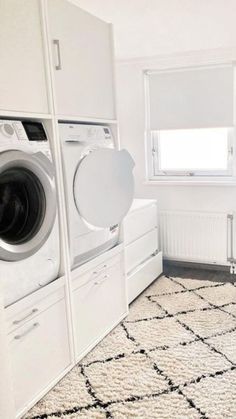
pixel 99 188
pixel 29 230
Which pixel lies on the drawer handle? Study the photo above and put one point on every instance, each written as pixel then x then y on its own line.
pixel 100 270
pixel 35 310
pixel 18 337
pixel 102 280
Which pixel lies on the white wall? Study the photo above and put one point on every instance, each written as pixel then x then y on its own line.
pixel 131 114
pixel 153 27
pixel 149 28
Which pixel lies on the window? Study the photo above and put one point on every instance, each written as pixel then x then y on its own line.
pixel 196 152
pixel 190 122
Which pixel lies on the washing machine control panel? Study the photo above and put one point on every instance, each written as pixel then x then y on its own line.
pixel 11 130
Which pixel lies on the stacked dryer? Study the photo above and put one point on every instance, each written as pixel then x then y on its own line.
pixel 99 188
pixel 29 232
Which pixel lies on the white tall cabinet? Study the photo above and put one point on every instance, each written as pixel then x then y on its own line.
pixel 22 63
pixel 83 62
pixel 57 63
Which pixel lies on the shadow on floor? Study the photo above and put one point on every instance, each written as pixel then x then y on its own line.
pixel 206 274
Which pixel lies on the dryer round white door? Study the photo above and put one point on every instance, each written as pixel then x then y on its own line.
pixel 27 203
pixel 104 186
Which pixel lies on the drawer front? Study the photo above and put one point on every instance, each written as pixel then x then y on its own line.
pixel 138 251
pixel 98 306
pixel 39 353
pixel 80 280
pixel 30 307
pixel 144 276
pixel 139 222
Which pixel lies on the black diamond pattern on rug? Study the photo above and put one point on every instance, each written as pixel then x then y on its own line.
pixel 174 356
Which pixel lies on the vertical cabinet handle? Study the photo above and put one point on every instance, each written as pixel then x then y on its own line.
pixel 58 53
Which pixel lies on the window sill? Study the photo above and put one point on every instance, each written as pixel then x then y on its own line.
pixel 190 182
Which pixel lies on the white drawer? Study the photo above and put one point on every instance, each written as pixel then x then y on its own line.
pixel 91 274
pixel 139 222
pixel 144 276
pixel 39 352
pixel 139 250
pixel 32 305
pixel 99 304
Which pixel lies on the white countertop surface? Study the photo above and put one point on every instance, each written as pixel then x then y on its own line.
pixel 140 203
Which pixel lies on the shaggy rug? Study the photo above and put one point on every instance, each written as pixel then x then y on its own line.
pixel 174 356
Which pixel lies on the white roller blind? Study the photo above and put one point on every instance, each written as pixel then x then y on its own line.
pixel 192 98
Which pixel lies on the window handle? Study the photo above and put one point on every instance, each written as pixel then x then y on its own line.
pixel 56 42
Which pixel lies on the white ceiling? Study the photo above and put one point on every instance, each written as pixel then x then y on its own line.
pixel 153 27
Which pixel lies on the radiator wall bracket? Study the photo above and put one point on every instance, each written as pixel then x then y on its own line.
pixel 233 269
pixel 230 245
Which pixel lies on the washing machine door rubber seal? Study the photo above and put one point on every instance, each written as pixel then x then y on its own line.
pixel 27 195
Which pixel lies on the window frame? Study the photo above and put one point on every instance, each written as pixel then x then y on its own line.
pixel 153 147
pixel 153 174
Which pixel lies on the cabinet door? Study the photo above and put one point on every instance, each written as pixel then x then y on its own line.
pixel 99 305
pixel 22 72
pixel 82 52
pixel 39 353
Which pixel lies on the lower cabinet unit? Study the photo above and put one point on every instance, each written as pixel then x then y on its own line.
pixel 140 250
pixel 99 298
pixel 143 258
pixel 39 349
pixel 144 275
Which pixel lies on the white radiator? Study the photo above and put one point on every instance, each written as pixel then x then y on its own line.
pixel 201 237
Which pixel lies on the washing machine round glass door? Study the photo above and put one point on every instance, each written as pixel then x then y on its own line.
pixel 27 203
pixel 104 186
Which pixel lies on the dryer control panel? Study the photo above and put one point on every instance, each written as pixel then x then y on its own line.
pixel 82 133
